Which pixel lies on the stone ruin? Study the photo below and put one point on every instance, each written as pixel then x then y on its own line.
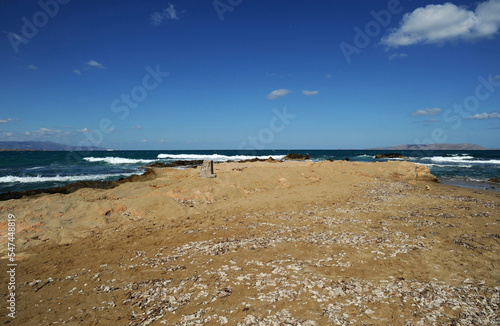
pixel 207 170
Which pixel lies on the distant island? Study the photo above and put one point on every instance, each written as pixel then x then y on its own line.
pixel 435 147
pixel 43 146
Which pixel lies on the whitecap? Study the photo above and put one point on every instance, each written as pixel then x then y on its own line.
pixel 216 157
pixel 117 160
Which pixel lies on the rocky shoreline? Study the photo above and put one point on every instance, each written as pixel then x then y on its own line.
pixel 295 243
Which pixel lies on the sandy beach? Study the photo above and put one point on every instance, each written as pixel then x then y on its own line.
pixel 263 243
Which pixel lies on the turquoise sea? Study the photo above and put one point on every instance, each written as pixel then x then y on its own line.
pixel 21 171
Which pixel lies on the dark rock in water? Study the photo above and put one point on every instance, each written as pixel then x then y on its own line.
pixel 256 159
pixel 191 164
pixel 390 155
pixel 347 159
pixel 297 157
pixel 495 180
pixel 72 187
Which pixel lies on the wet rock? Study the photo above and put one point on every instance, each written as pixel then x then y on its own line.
pixel 391 155
pixel 180 163
pixel 297 157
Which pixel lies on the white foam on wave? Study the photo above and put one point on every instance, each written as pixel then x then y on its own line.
pixel 446 165
pixel 117 160
pixel 36 168
pixel 216 157
pixel 460 159
pixel 57 178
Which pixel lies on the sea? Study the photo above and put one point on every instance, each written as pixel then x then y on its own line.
pixel 26 170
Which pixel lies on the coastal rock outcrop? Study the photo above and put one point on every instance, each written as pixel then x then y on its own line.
pixel 189 164
pixel 297 157
pixel 391 155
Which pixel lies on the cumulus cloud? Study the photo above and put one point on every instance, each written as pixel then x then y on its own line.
pixel 78 72
pixel 32 67
pixel 84 130
pixel 435 24
pixel 278 93
pixel 308 93
pixel 136 127
pixel 434 111
pixel 167 13
pixel 95 64
pixel 484 115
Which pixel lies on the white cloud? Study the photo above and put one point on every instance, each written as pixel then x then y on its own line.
pixel 398 56
pixel 32 67
pixel 144 141
pixel 78 72
pixel 434 111
pixel 435 24
pixel 328 76
pixel 84 130
pixel 39 134
pixel 484 115
pixel 8 120
pixel 95 64
pixel 44 133
pixel 136 127
pixel 278 93
pixel 308 93
pixel 497 77
pixel 167 13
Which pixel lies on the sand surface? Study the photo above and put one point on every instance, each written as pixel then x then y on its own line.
pixel 293 243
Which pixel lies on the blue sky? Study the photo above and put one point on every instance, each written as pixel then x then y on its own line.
pixel 229 74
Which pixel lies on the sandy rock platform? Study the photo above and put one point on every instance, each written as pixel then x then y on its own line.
pixel 292 243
